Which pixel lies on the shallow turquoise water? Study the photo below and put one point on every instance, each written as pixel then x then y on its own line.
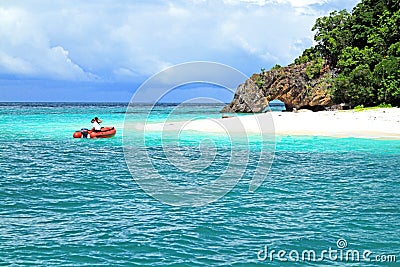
pixel 74 203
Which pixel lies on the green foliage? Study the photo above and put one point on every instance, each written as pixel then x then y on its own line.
pixel 259 78
pixel 362 51
pixel 355 88
pixel 394 50
pixel 359 107
pixel 259 83
pixel 363 47
pixel 314 69
pixel 276 67
pixel 386 33
pixel 332 34
pixel 387 78
pixel 365 20
pixel 351 57
pixel 383 105
pixel 308 55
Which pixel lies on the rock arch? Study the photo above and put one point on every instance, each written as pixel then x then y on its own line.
pixel 289 85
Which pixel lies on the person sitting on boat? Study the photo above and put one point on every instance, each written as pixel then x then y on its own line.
pixel 96 124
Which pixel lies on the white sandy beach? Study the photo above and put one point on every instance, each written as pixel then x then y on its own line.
pixel 379 123
pixel 383 123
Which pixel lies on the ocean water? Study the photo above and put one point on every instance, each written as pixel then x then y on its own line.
pixel 74 202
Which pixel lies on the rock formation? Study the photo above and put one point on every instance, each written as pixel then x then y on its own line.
pixel 289 84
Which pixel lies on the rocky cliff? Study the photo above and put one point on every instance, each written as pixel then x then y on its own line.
pixel 292 85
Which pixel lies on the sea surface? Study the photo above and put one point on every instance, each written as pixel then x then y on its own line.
pixel 74 202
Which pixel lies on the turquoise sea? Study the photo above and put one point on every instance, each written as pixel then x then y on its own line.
pixel 73 202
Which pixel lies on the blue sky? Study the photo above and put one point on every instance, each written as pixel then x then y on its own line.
pixel 103 50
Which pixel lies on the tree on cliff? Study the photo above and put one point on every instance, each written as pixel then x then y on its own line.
pixel 356 60
pixel 363 48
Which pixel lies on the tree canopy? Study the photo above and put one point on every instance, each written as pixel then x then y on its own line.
pixel 362 48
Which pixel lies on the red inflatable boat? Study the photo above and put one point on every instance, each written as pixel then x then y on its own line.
pixel 106 132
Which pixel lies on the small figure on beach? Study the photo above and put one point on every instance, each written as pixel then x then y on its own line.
pixel 96 124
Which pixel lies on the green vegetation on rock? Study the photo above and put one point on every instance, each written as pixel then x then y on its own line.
pixel 356 60
pixel 362 49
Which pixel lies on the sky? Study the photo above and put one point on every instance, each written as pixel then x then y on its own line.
pixel 103 50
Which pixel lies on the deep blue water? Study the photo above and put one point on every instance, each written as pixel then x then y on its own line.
pixel 73 202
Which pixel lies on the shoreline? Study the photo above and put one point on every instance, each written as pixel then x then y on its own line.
pixel 382 123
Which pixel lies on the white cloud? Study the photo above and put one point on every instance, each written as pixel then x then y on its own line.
pixel 302 3
pixel 25 49
pixel 293 3
pixel 121 40
pixel 15 65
